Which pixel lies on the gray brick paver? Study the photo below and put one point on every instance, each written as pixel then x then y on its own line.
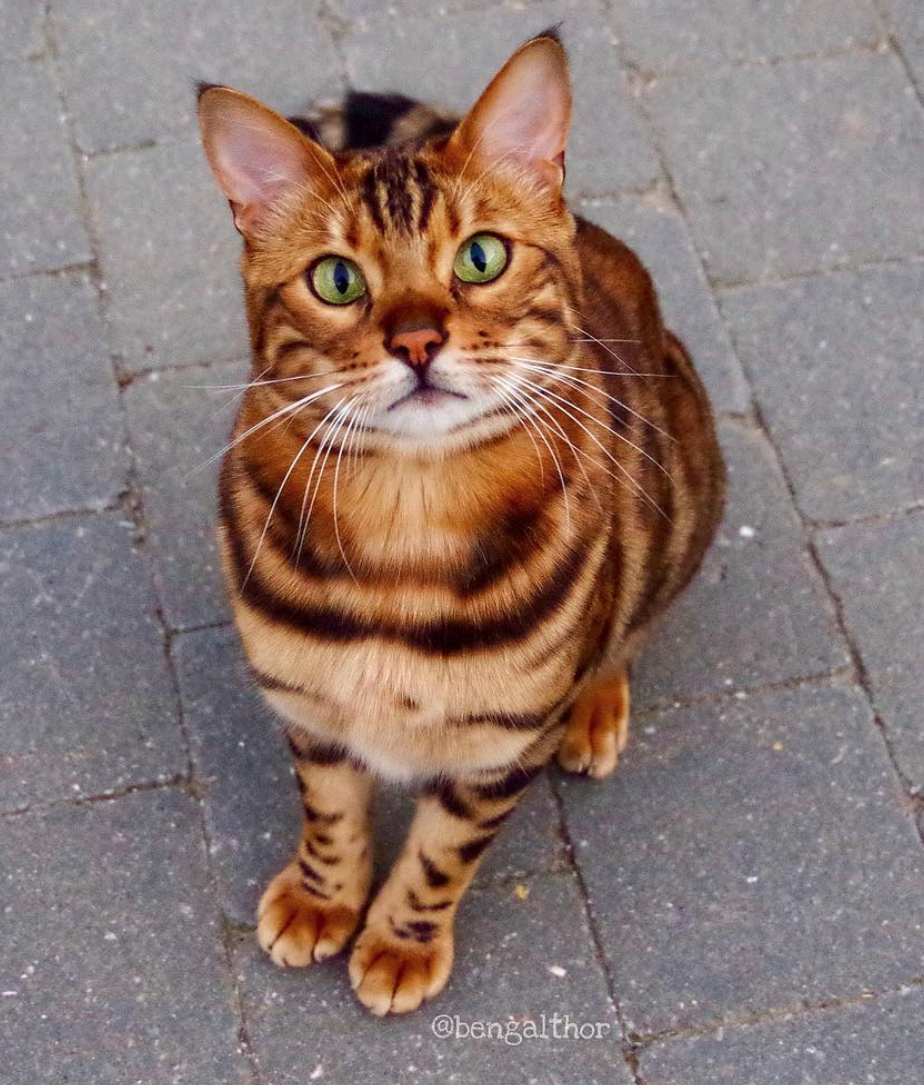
pixel 796 167
pixel 113 968
pixel 86 701
pixel 754 855
pixel 60 429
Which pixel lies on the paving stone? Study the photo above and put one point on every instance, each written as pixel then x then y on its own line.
pixel 40 223
pixel 877 570
pixel 660 237
pixel 609 150
pixel 252 802
pixel 364 9
pixel 757 611
pixel 876 1042
pixel 837 366
pixel 86 702
pixel 791 168
pixel 170 256
pixel 658 38
pixel 304 1022
pixel 60 430
pixel 177 423
pixel 112 969
pixel 128 71
pixel 754 854
pixel 22 28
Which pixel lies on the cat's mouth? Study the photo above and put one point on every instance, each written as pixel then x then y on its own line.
pixel 426 395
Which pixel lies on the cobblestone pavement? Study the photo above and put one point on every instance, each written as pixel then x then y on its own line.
pixel 744 901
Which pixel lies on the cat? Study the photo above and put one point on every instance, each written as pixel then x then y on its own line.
pixel 470 468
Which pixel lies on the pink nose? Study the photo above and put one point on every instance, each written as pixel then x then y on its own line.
pixel 416 346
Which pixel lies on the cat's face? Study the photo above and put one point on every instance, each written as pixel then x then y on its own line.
pixel 408 288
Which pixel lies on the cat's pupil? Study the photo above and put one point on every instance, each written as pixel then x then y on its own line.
pixel 341 278
pixel 478 257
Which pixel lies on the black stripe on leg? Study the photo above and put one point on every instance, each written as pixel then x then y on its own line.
pixel 507 786
pixel 436 878
pixel 310 874
pixel 445 793
pixel 417 905
pixel 470 851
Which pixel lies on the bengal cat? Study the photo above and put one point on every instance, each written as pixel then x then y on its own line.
pixel 470 468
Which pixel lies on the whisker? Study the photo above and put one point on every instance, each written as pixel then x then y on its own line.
pixel 511 406
pixel 287 409
pixel 348 436
pixel 636 486
pixel 555 460
pixel 282 486
pixel 549 369
pixel 327 441
pixel 608 429
pixel 577 452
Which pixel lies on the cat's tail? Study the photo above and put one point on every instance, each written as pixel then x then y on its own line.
pixel 374 120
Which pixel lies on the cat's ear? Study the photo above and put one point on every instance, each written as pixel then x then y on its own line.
pixel 525 113
pixel 257 156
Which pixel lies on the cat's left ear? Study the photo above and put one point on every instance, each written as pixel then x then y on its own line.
pixel 257 156
pixel 525 113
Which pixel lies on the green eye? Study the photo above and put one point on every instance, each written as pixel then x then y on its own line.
pixel 481 259
pixel 337 280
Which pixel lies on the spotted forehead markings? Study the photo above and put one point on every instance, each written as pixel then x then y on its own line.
pixel 399 192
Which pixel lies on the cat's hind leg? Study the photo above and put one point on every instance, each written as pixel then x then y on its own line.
pixel 598 727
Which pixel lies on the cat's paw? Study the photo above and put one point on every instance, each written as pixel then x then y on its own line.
pixel 394 975
pixel 295 927
pixel 597 730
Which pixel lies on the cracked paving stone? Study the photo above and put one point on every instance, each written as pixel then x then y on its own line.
pixel 839 375
pixel 798 167
pixel 177 423
pixel 877 570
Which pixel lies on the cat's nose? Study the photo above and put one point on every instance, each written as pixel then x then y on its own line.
pixel 417 346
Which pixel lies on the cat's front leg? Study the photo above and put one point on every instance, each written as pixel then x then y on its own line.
pixel 311 908
pixel 405 952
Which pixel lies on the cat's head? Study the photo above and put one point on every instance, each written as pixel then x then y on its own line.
pixel 407 287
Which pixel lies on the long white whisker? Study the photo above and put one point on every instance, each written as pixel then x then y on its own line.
pixel 511 406
pixel 326 441
pixel 636 487
pixel 549 370
pixel 282 486
pixel 287 409
pixel 561 475
pixel 602 425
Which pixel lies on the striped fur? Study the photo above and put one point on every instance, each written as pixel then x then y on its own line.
pixel 448 605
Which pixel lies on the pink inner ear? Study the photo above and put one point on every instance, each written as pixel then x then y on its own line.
pixel 526 111
pixel 530 117
pixel 255 164
pixel 255 154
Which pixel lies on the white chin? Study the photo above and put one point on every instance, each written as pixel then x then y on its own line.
pixel 420 419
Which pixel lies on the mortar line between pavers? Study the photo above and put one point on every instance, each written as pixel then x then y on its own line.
pixel 694 68
pixel 758 419
pixel 889 516
pixel 136 506
pixel 895 45
pixel 629 1053
pixel 729 286
pixel 771 1016
pixel 245 1045
pixel 118 505
pixel 178 782
pixel 64 270
pixel 861 677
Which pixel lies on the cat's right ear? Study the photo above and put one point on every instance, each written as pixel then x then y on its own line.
pixel 257 156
